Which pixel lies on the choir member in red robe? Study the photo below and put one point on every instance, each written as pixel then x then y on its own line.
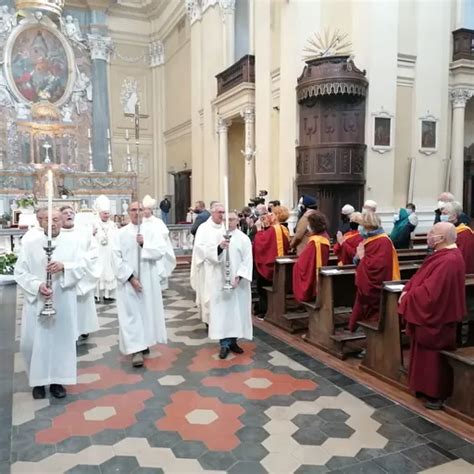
pixel 453 213
pixel 377 261
pixel 346 246
pixel 432 303
pixel 314 256
pixel 271 241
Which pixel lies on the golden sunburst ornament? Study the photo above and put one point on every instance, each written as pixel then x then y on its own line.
pixel 327 45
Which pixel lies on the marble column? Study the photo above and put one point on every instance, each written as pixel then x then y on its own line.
pixel 100 47
pixel 228 19
pixel 223 133
pixel 248 114
pixel 459 97
pixel 157 60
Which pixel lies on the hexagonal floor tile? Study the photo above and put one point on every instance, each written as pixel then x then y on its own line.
pixel 257 382
pixel 99 413
pixel 333 415
pixel 201 417
pixel 88 378
pixel 171 380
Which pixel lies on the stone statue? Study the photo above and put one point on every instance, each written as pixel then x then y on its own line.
pixel 22 111
pixel 71 29
pixel 7 21
pixel 81 92
pixel 6 99
pixel 124 207
pixel 67 113
pixel 129 95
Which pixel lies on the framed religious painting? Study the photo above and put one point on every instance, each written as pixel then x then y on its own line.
pixel 428 134
pixel 39 64
pixel 382 132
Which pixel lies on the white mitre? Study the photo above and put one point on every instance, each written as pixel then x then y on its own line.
pixel 149 202
pixel 102 204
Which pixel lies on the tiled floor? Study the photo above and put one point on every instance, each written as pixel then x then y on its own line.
pixel 272 409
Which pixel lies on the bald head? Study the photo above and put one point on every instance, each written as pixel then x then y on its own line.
pixel 446 197
pixel 441 235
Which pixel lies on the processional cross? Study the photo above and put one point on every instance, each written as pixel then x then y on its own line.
pixel 136 118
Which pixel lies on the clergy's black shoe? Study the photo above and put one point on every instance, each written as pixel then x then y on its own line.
pixel 39 393
pixel 146 351
pixel 224 352
pixel 57 390
pixel 236 349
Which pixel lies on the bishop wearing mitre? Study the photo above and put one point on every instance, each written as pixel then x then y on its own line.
pixel 104 231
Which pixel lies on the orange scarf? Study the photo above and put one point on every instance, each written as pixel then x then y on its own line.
pixel 395 264
pixel 463 228
pixel 318 241
pixel 279 231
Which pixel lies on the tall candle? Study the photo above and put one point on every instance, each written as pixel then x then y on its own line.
pixel 226 202
pixel 50 205
pixel 88 133
pixel 126 133
pixel 108 133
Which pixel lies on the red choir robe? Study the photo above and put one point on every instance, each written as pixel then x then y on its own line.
pixel 435 301
pixel 346 251
pixel 267 245
pixel 379 264
pixel 306 268
pixel 465 243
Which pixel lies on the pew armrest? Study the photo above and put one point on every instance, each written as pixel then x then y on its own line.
pixel 369 325
pixel 310 305
pixel 268 288
pixel 464 355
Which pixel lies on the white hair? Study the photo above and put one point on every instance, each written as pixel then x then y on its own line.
pixel 215 205
pixel 453 208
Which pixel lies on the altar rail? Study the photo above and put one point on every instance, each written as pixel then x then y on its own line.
pixel 180 236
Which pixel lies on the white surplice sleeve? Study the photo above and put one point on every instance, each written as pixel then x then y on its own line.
pixel 74 270
pixel 121 268
pixel 27 281
pixel 245 266
pixel 154 246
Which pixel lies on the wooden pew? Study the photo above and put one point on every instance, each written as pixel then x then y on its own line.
pixel 461 402
pixel 384 354
pixel 281 304
pixel 419 240
pixel 333 306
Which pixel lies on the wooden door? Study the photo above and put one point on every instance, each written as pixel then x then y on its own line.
pixel 182 187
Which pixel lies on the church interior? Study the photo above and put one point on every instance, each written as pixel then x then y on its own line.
pixel 238 102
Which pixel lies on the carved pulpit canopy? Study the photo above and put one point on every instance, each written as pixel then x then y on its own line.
pixel 329 68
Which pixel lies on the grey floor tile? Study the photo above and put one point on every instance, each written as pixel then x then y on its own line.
pixel 425 456
pixel 447 440
pixel 119 465
pixel 217 460
pixel 396 463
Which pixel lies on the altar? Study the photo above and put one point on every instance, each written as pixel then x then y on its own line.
pixel 55 113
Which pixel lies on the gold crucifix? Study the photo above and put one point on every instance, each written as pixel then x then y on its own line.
pixel 136 117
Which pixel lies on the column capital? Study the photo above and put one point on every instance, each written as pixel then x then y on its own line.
pixel 460 96
pixel 193 10
pixel 156 51
pixel 227 8
pixel 223 125
pixel 100 46
pixel 248 114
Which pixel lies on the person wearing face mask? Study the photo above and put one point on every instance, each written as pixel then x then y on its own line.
pixel 432 304
pixel 271 241
pixel 346 213
pixel 314 256
pixel 412 217
pixel 306 206
pixel 443 199
pixel 377 261
pixel 452 212
pixel 346 246
pixel 402 230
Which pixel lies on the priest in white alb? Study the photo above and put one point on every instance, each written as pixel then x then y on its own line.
pixel 136 253
pixel 231 309
pixel 87 321
pixel 206 267
pixel 167 264
pixel 49 346
pixel 104 231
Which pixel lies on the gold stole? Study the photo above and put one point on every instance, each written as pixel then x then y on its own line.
pixel 318 240
pixel 395 264
pixel 463 228
pixel 279 231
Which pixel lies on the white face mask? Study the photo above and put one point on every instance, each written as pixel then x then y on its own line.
pixel 396 218
pixel 409 212
pixel 444 218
